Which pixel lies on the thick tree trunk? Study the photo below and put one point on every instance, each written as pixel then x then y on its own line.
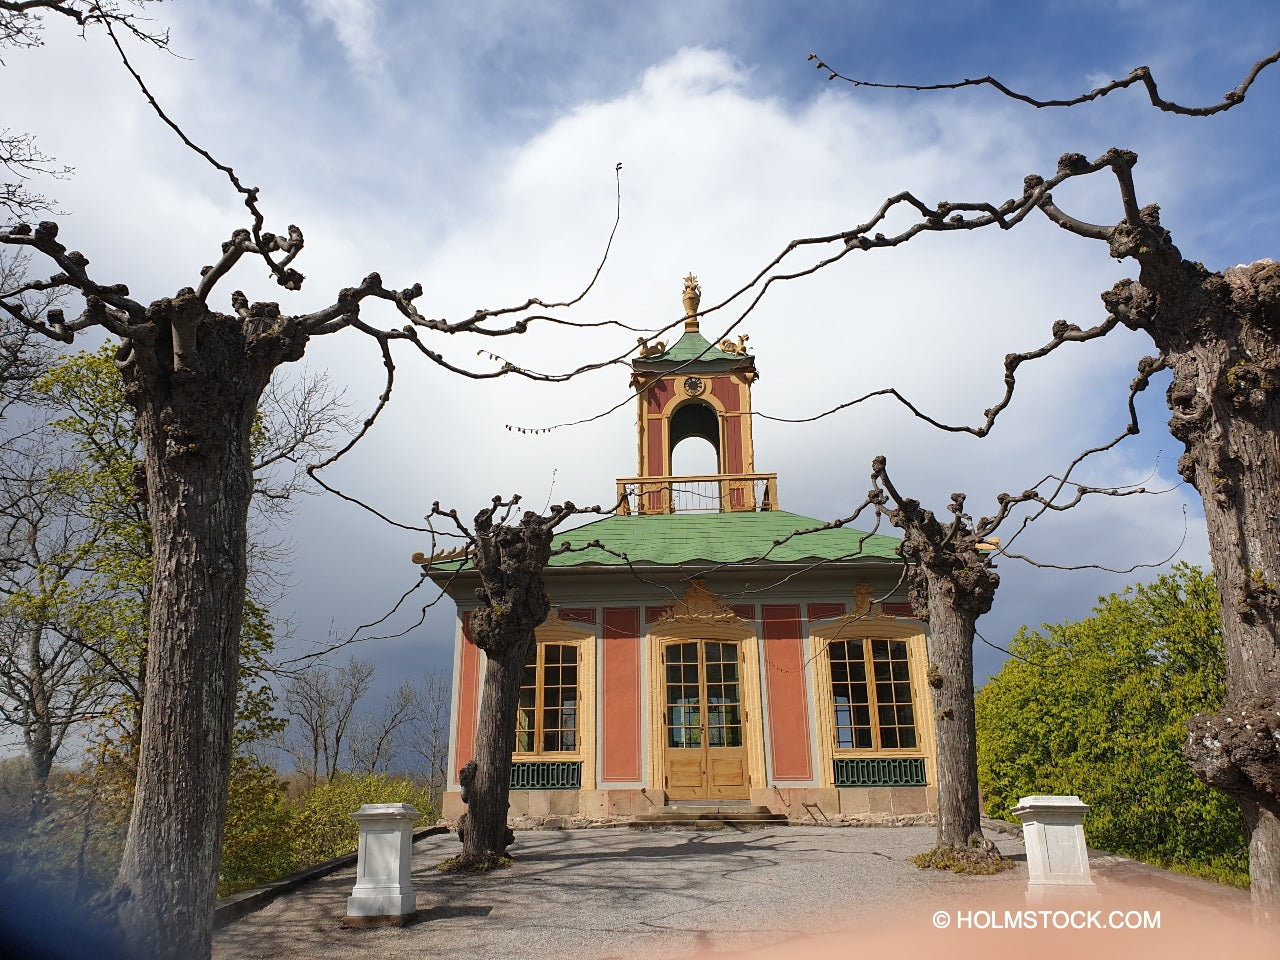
pixel 954 583
pixel 1236 468
pixel 487 834
pixel 951 683
pixel 195 423
pixel 1220 335
pixel 510 560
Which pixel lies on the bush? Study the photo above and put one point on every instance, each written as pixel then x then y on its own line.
pixel 1099 709
pixel 268 836
pixel 323 828
pixel 257 840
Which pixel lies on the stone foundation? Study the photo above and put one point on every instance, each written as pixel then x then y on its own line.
pixel 853 804
pixel 588 805
pixel 838 806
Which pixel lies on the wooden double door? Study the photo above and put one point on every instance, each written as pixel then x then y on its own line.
pixel 704 754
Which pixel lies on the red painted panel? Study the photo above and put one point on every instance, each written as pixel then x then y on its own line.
pixel 654 614
pixel 788 709
pixel 468 698
pixel 898 609
pixel 578 614
pixel 744 611
pixel 657 394
pixel 733 445
pixel 726 390
pixel 822 611
pixel 655 466
pixel 620 695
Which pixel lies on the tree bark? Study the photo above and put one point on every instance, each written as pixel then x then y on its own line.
pixel 510 560
pixel 195 416
pixel 951 629
pixel 486 833
pixel 39 731
pixel 953 584
pixel 1220 335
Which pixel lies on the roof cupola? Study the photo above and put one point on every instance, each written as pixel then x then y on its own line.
pixel 695 389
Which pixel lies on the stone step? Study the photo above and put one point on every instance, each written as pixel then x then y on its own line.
pixel 713 804
pixel 707 815
pixel 727 823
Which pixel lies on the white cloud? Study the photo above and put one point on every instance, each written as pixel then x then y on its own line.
pixel 715 180
pixel 719 172
pixel 355 24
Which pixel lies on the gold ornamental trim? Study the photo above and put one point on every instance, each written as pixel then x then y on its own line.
pixel 699 605
pixel 440 556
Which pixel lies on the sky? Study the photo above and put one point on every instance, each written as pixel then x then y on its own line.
pixel 473 147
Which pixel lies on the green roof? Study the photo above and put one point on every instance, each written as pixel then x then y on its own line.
pixel 694 346
pixel 718 538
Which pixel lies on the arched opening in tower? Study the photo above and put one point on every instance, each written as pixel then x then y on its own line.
pixel 694 421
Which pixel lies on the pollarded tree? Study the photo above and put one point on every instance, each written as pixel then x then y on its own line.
pixel 510 559
pixel 1218 332
pixel 952 581
pixel 194 375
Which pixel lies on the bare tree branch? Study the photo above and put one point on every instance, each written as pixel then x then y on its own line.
pixel 20 20
pixel 323 702
pixel 945 216
pixel 1140 75
pixel 1098 566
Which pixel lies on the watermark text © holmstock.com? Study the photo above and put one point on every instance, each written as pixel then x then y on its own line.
pixel 1047 919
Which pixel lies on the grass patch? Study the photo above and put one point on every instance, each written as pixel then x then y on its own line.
pixel 982 860
pixel 486 863
pixel 1224 870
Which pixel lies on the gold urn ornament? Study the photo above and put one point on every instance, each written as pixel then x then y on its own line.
pixel 692 297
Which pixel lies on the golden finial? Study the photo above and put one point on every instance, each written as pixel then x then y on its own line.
pixel 692 297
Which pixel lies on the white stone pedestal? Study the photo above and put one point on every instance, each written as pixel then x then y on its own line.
pixel 383 893
pixel 1053 830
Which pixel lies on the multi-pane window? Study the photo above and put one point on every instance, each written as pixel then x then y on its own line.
pixel 547 718
pixel 684 696
pixel 703 673
pixel 871 693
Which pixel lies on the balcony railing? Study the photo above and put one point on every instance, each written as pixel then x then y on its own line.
pixel 712 493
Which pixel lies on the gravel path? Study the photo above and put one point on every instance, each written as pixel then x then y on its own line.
pixel 612 893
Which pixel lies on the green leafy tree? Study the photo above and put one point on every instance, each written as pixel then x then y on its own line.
pixel 94 423
pixel 1099 709
pixel 90 593
pixel 105 483
pixel 76 600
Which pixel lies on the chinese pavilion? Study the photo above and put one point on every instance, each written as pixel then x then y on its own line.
pixel 717 648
